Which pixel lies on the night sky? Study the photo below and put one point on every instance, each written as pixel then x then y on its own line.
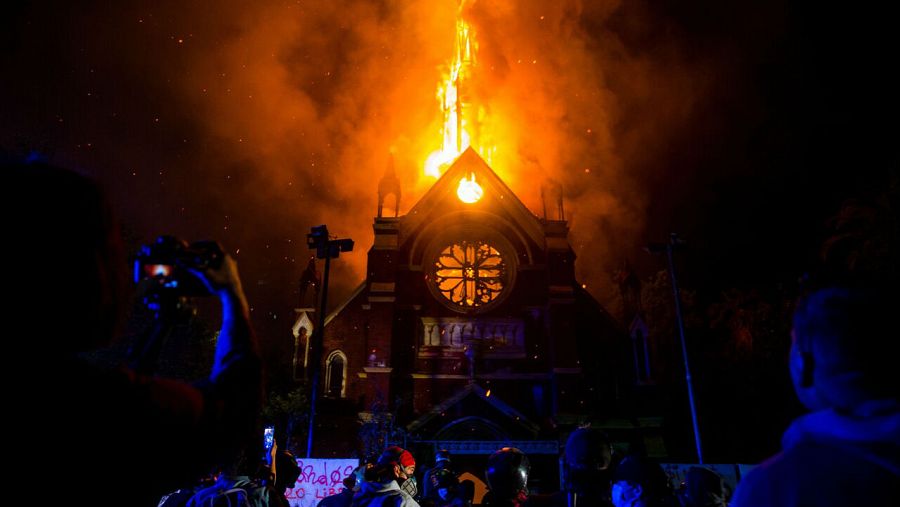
pixel 740 125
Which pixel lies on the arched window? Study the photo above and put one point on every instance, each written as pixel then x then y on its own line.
pixel 336 374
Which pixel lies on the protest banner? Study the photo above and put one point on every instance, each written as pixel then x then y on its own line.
pixel 319 478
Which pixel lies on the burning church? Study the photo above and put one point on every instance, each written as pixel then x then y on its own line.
pixel 470 330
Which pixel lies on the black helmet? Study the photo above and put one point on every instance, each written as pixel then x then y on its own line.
pixel 587 456
pixel 442 455
pixel 507 473
pixel 588 448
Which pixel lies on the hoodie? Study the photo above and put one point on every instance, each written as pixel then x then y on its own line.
pixel 382 494
pixel 831 458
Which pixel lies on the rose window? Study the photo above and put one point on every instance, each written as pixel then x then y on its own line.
pixel 469 274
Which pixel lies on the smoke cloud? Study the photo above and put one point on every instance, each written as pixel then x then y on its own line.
pixel 249 122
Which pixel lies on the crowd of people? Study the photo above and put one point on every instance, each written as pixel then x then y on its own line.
pixel 132 439
pixel 591 477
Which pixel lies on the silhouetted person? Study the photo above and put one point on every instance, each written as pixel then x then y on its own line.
pixel 441 462
pixel 182 496
pixel 467 492
pixel 846 451
pixel 287 471
pixel 639 482
pixel 586 461
pixel 352 484
pixel 703 488
pixel 127 439
pixel 446 490
pixel 585 472
pixel 344 498
pixel 239 486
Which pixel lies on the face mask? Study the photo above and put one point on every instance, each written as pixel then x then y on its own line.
pixel 409 485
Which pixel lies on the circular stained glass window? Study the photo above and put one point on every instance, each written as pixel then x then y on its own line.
pixel 469 275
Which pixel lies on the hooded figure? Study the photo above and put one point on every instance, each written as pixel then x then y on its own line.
pixel 588 454
pixel 847 450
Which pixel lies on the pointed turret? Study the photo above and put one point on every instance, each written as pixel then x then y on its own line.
pixel 388 185
pixel 552 200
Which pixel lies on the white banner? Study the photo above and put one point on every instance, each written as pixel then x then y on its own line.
pixel 319 478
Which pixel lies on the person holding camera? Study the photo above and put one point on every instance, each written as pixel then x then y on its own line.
pixel 117 437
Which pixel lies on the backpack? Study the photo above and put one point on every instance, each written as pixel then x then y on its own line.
pixel 230 492
pixel 234 497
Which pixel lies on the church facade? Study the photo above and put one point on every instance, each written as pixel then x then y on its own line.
pixel 470 328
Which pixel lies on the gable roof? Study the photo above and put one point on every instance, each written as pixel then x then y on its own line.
pixel 442 196
pixel 339 309
pixel 476 391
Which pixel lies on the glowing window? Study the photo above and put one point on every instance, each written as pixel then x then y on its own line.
pixel 470 274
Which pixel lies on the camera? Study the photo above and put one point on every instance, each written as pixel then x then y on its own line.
pixel 166 262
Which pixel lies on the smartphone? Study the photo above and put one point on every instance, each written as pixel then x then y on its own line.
pixel 268 438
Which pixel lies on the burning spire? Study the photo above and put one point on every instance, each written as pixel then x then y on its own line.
pixel 453 95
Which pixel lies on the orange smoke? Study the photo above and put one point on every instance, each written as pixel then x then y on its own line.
pixel 293 109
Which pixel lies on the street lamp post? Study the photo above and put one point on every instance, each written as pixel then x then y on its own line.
pixel 669 248
pixel 325 249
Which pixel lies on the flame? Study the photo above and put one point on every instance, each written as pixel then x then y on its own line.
pixel 469 191
pixel 458 120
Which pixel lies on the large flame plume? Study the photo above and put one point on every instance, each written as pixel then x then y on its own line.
pixel 253 122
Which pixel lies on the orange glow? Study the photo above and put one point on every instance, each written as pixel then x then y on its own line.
pixel 460 120
pixel 469 191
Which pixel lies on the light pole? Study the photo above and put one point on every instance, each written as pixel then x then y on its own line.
pixel 669 248
pixel 325 249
